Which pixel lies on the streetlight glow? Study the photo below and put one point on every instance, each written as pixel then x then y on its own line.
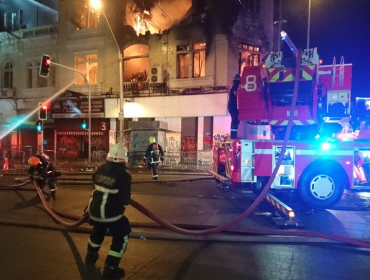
pixel 97 5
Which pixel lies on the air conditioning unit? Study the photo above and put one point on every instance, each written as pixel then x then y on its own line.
pixel 8 92
pixel 156 74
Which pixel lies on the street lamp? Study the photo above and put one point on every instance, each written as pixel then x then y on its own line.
pixel 96 4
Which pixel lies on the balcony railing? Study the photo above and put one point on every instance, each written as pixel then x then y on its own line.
pixel 146 89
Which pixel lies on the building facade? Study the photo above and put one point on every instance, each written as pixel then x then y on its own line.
pixel 176 70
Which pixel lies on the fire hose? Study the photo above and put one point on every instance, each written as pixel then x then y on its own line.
pixel 206 230
pixel 49 209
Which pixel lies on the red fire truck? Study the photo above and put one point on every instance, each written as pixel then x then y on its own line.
pixel 317 165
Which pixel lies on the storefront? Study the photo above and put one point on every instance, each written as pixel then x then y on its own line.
pixel 71 136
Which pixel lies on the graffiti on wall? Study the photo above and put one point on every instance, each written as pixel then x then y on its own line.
pixel 72 147
pixel 67 147
pixel 99 143
pixel 173 142
pixel 189 143
pixel 220 137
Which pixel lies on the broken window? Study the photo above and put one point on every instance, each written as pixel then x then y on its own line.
pixel 88 65
pixel 191 59
pixel 85 16
pixel 249 56
pixel 199 60
pixel 136 63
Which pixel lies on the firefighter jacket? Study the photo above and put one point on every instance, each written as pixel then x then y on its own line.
pixel 44 169
pixel 112 192
pixel 154 153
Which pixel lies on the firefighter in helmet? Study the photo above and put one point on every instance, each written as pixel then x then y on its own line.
pixel 232 106
pixel 153 156
pixel 45 170
pixel 112 192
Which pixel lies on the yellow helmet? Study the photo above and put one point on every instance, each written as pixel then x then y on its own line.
pixel 152 139
pixel 33 161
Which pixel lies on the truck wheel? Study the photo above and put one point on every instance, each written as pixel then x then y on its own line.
pixel 259 185
pixel 321 189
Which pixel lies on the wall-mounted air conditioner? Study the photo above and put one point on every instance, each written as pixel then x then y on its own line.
pixel 156 74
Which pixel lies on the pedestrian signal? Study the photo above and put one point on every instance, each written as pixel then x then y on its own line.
pixel 45 65
pixel 39 126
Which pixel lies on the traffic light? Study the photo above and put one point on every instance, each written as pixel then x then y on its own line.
pixel 39 125
pixel 45 65
pixel 43 112
pixel 84 125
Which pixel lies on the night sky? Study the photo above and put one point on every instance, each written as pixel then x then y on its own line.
pixel 338 28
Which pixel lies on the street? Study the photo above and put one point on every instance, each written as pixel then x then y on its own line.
pixel 35 246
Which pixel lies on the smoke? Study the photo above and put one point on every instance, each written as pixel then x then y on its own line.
pixel 35 13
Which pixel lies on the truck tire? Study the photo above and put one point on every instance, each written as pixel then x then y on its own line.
pixel 321 189
pixel 259 185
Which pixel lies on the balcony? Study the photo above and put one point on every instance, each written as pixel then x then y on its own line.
pixel 191 86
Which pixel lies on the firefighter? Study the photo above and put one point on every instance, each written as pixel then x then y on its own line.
pixel 153 155
pixel 232 106
pixel 45 171
pixel 364 133
pixel 359 170
pixel 112 192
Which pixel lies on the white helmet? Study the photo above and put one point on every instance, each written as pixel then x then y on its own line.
pixel 117 153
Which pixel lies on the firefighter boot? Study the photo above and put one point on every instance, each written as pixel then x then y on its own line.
pixel 112 272
pixel 91 258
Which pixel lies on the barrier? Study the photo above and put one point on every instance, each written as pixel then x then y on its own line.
pixel 178 160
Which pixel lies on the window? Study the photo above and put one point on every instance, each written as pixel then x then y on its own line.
pixel 249 56
pixel 88 65
pixel 199 60
pixel 85 16
pixel 191 59
pixel 136 63
pixel 253 6
pixel 8 75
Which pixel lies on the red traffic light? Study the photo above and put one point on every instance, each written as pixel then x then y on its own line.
pixel 43 112
pixel 45 65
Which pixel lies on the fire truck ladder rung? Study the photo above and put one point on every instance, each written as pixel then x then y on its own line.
pixel 219 177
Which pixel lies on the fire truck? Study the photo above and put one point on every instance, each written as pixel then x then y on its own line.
pixel 322 157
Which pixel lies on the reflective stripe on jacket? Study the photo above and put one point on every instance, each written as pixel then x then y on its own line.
pixel 112 191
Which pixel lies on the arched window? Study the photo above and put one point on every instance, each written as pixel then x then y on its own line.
pixel 8 75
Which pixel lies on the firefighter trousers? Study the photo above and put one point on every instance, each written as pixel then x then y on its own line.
pixel 234 126
pixel 119 231
pixel 50 181
pixel 154 168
